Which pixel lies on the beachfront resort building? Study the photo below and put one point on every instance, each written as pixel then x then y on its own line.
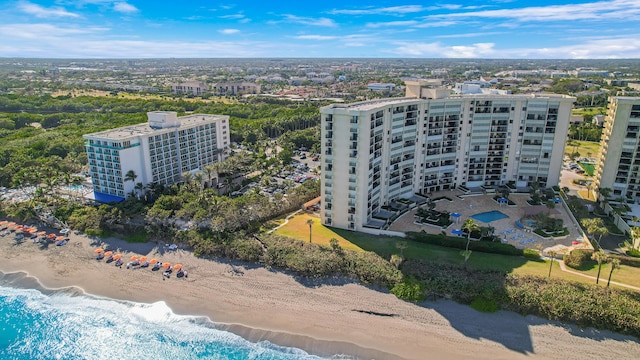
pixel 158 151
pixel 377 152
pixel 618 166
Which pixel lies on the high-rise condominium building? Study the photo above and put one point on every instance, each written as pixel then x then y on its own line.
pixel 618 167
pixel 379 151
pixel 158 151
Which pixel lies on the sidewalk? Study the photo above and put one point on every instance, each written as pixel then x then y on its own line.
pixel 564 268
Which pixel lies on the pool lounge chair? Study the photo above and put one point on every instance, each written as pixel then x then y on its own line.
pixel 119 262
pixel 144 264
pixel 157 266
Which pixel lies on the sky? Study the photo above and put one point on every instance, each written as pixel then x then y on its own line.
pixel 502 29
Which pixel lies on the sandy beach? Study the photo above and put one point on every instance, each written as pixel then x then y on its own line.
pixel 327 317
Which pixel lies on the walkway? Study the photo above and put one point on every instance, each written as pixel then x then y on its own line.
pixel 564 268
pixel 286 221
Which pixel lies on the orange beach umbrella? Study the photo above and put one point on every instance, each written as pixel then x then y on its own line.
pixel 42 233
pixel 166 265
pixel 58 238
pixel 143 258
pixel 108 253
pixel 153 261
pixel 4 222
pixel 51 236
pixel 99 250
pixel 177 266
pixel 11 224
pixel 134 258
pixel 117 256
pixel 32 230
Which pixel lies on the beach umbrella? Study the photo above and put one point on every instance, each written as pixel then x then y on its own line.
pixel 4 222
pixel 134 258
pixel 98 250
pixel 58 238
pixel 108 253
pixel 153 261
pixel 117 256
pixel 177 266
pixel 11 224
pixel 32 230
pixel 51 236
pixel 166 265
pixel 42 233
pixel 143 258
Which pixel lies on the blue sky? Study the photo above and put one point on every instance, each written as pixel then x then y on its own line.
pixel 324 28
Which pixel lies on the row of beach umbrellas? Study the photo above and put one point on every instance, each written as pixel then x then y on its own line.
pixel 141 259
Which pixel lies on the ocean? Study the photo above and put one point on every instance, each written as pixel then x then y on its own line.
pixel 69 326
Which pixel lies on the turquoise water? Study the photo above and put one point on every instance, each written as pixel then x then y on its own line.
pixel 37 326
pixel 489 216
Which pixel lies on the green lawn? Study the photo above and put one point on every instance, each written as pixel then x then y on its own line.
pixel 585 148
pixel 385 246
pixel 588 168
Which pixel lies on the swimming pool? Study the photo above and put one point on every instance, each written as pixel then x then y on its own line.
pixel 489 216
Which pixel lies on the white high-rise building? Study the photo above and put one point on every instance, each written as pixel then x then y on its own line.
pixel 158 151
pixel 618 167
pixel 379 151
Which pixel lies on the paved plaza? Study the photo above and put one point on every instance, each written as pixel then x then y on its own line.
pixel 506 228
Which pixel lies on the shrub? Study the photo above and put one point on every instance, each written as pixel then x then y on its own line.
pixel 460 243
pixel 409 289
pixel 577 258
pixel 626 260
pixel 633 252
pixel 483 304
pixel 531 254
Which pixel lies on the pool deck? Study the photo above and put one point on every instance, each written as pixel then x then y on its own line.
pixel 506 228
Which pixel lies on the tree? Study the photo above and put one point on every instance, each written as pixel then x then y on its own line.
pixel 401 245
pixel 130 176
pixel 600 257
pixel 605 193
pixel 615 264
pixel 471 226
pixel 310 223
pixel 553 259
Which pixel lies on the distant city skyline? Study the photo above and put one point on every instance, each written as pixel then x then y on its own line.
pixel 509 29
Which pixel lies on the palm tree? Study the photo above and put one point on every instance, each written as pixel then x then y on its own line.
pixel 199 178
pixel 615 264
pixel 553 258
pixel 600 257
pixel 139 188
pixel 471 226
pixel 130 176
pixel 209 170
pixel 310 223
pixel 401 245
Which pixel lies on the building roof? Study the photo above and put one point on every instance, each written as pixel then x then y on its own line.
pixel 144 129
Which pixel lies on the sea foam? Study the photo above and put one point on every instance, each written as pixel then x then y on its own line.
pixel 58 326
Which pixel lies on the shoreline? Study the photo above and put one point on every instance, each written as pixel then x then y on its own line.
pixel 328 317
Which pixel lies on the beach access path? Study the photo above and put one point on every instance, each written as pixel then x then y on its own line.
pixel 324 317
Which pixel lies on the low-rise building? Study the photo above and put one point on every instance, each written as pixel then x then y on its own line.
pixel 196 88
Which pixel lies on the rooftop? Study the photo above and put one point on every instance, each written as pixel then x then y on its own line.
pixel 143 129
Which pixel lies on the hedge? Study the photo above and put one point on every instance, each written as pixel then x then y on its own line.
pixel 460 243
pixel 577 258
pixel 626 260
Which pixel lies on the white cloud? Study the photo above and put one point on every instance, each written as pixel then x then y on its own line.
pixel 624 47
pixel 600 10
pixel 42 12
pixel 232 16
pixel 404 9
pixel 309 21
pixel 124 7
pixel 41 32
pixel 392 24
pixel 315 37
pixel 431 24
pixel 229 31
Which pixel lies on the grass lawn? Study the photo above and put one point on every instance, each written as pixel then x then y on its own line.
pixel 589 111
pixel 588 168
pixel 297 228
pixel 385 246
pixel 625 274
pixel 585 148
